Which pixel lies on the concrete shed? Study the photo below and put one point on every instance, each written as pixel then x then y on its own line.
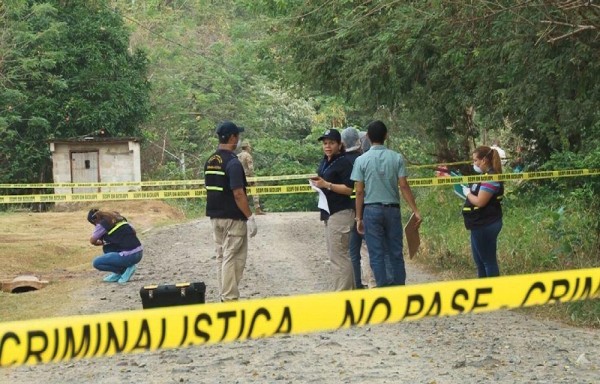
pixel 96 159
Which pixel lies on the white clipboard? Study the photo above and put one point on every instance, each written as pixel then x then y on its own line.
pixel 322 198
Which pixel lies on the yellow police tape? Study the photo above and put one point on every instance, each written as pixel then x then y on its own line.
pixel 449 180
pixel 157 183
pixel 76 337
pixel 160 183
pixel 103 196
pixel 277 189
pixel 428 181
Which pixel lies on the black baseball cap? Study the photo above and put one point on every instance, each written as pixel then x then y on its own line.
pixel 227 128
pixel 332 134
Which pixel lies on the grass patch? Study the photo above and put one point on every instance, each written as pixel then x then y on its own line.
pixel 51 301
pixel 541 232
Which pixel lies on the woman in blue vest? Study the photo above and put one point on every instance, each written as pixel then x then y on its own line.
pixel 482 212
pixel 122 249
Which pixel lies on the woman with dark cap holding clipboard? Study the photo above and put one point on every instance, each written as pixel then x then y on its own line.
pixel 334 180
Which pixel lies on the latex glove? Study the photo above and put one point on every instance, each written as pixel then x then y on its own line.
pixel 252 228
pixel 466 190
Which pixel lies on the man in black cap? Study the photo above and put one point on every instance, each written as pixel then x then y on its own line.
pixel 228 209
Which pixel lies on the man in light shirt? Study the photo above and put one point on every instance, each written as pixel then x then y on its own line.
pixel 380 178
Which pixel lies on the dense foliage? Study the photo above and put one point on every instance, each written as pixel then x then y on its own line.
pixel 453 70
pixel 66 71
pixel 444 75
pixel 204 57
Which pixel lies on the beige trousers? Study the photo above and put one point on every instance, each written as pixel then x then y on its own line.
pixel 366 274
pixel 338 229
pixel 231 246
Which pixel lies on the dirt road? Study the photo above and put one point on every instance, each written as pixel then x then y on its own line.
pixel 287 257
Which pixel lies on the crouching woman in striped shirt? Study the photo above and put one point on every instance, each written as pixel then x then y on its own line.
pixel 120 244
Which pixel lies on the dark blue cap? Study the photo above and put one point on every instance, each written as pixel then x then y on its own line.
pixel 332 134
pixel 227 128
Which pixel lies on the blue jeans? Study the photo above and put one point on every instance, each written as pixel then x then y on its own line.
pixel 356 240
pixel 484 242
pixel 383 233
pixel 115 263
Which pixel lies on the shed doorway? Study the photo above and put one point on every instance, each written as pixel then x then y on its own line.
pixel 84 169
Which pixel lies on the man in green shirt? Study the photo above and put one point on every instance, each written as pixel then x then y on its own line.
pixel 377 174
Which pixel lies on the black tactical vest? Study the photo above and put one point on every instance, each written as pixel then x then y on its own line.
pixel 119 237
pixel 477 217
pixel 220 202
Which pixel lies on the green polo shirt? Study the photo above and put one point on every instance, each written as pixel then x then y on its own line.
pixel 379 169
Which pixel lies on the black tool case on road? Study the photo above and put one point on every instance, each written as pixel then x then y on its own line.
pixel 167 295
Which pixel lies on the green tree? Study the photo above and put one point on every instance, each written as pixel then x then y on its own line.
pixel 203 60
pixel 451 70
pixel 66 71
